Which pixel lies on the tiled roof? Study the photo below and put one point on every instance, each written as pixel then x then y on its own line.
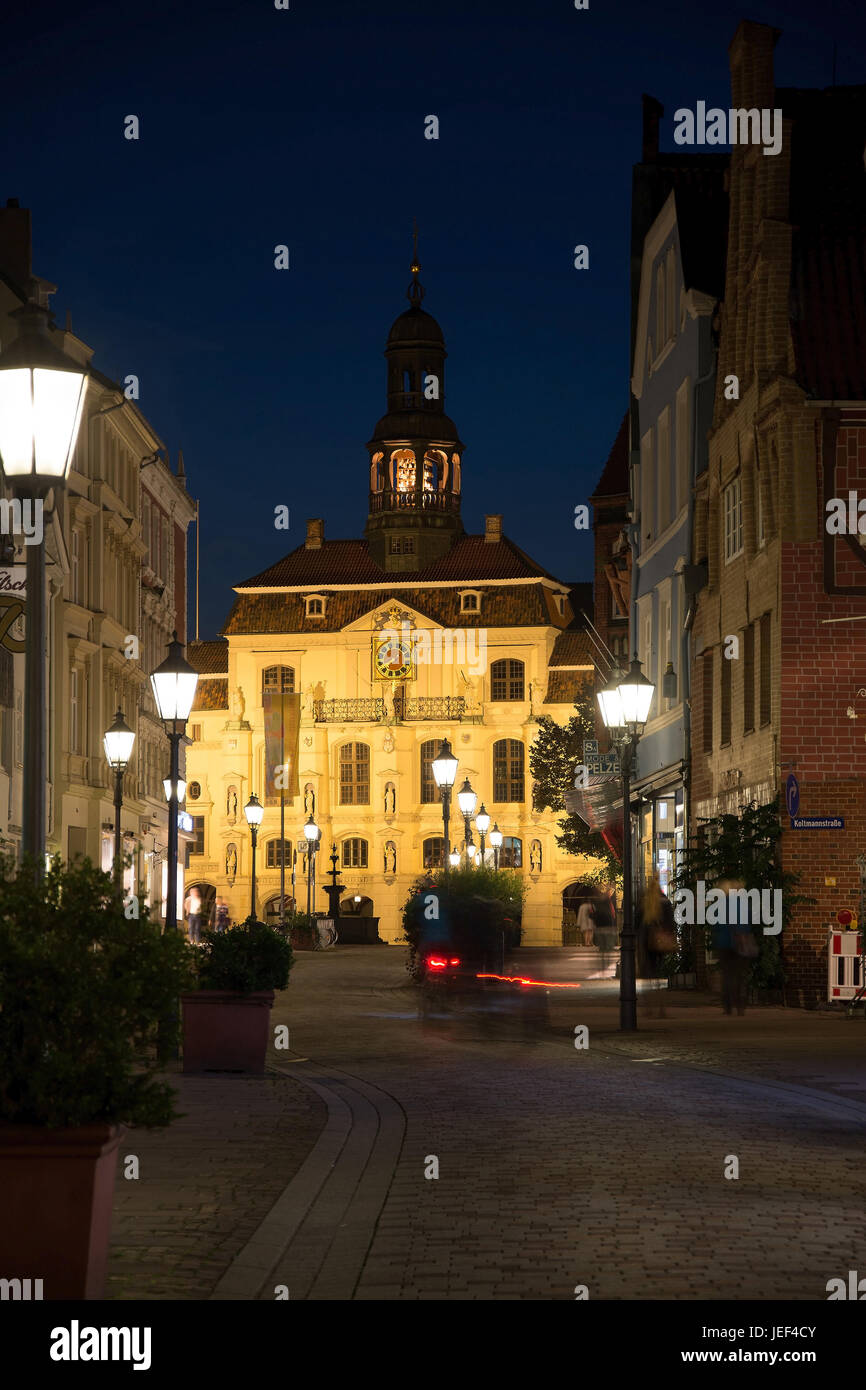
pixel 614 478
pixel 567 687
pixel 209 658
pixel 572 649
pixel 212 693
pixel 828 266
pixel 472 559
pixel 521 606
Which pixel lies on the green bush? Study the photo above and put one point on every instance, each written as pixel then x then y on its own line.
pixel 248 957
pixel 82 989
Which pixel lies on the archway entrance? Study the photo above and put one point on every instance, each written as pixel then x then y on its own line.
pixel 207 893
pixel 356 905
pixel 573 897
pixel 272 909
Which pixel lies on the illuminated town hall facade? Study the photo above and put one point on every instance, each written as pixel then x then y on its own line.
pixel 488 641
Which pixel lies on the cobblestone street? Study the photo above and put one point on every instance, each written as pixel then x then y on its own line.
pixel 557 1166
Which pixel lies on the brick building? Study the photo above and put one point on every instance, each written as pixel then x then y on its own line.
pixel 787 435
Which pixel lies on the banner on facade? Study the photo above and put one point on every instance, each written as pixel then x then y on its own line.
pixel 282 728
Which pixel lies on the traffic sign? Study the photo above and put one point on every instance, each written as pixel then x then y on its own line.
pixel 792 794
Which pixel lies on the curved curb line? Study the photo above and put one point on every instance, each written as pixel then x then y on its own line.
pixel 316 1236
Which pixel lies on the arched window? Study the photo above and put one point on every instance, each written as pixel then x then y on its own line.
pixel 278 678
pixel 403 470
pixel 354 853
pixel 376 473
pixel 507 680
pixel 508 770
pixel 355 774
pixel 433 856
pixel 455 472
pixel 511 853
pixel 429 789
pixel 279 852
pixel 661 335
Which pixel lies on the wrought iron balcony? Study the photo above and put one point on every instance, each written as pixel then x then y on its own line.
pixel 432 707
pixel 427 501
pixel 348 711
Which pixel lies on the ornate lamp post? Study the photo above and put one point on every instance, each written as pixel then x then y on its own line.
pixel 625 705
pixel 444 767
pixel 181 788
pixel 173 684
pixel 254 811
pixel 496 844
pixel 118 743
pixel 42 395
pixel 482 825
pixel 467 801
pixel 454 859
pixel 312 834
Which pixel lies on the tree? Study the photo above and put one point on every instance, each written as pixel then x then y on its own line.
pixel 555 753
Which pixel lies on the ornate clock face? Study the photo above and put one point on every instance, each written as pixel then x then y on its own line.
pixel 392 659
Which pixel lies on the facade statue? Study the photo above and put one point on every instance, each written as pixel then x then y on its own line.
pixel 231 861
pixel 238 704
pixel 390 857
pixel 390 799
pixel 309 800
pixel 232 804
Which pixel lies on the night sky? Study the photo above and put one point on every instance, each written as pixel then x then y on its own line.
pixel 306 127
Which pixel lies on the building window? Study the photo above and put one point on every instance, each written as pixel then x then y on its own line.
pixel 279 852
pixel 663 468
pixel 355 774
pixel 74 713
pixel 760 523
pixel 682 446
pixel 315 606
pixel 708 702
pixel 145 526
pixel 401 545
pixel 429 789
pixel 354 853
pixel 725 718
pixel 433 854
pixel 749 679
pixel 661 336
pixel 647 489
pixel 74 559
pixel 279 679
pixel 733 520
pixel 766 702
pixel 511 853
pixel 195 732
pixel 665 636
pixel 470 603
pixel 197 846
pixel 508 762
pixel 507 680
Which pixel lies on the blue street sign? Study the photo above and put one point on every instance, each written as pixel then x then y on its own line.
pixel 792 794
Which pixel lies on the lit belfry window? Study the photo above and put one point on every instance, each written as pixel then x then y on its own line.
pixel 403 466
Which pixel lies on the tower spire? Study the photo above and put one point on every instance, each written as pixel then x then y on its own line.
pixel 415 292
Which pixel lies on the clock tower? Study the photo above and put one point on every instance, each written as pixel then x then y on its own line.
pixel 415 454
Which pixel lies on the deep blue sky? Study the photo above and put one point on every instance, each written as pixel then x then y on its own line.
pixel 305 127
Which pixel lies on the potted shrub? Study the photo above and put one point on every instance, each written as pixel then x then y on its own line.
pixel 227 1019
pixel 83 988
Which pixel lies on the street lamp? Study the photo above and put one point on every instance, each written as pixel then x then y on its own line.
pixel 454 858
pixel 118 743
pixel 471 851
pixel 482 825
pixel 496 843
pixel 181 788
pixel 42 394
pixel 467 801
pixel 444 767
pixel 312 834
pixel 173 684
pixel 625 705
pixel 254 811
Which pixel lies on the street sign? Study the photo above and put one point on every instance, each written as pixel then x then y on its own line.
pixel 596 762
pixel 792 794
pixel 818 823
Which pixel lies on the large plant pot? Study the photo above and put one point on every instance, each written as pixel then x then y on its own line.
pixel 226 1031
pixel 56 1193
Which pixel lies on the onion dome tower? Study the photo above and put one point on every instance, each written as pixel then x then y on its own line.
pixel 415 453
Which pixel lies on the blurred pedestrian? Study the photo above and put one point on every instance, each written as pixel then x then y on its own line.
pixel 585 923
pixel 655 927
pixel 192 907
pixel 735 946
pixel 220 915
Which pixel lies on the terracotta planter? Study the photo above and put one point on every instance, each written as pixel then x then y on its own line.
pixel 226 1031
pixel 56 1193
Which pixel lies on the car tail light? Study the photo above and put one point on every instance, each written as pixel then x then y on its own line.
pixel 454 961
pixel 436 963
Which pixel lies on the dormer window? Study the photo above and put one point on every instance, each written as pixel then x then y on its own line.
pixel 315 605
pixel 470 601
pixel 560 604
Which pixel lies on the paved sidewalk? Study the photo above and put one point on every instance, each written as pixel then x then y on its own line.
pixel 206 1182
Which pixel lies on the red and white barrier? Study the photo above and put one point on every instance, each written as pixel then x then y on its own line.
pixel 844 974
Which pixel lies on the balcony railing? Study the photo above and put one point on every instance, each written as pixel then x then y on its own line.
pixel 427 501
pixel 406 707
pixel 347 711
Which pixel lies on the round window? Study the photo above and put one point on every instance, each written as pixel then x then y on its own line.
pixel 193 791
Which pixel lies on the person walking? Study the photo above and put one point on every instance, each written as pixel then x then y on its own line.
pixel 655 927
pixel 586 923
pixel 192 907
pixel 604 917
pixel 735 946
pixel 220 915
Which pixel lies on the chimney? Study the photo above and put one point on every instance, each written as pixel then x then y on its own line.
pixel 652 114
pixel 493 529
pixel 315 534
pixel 751 60
pixel 15 244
